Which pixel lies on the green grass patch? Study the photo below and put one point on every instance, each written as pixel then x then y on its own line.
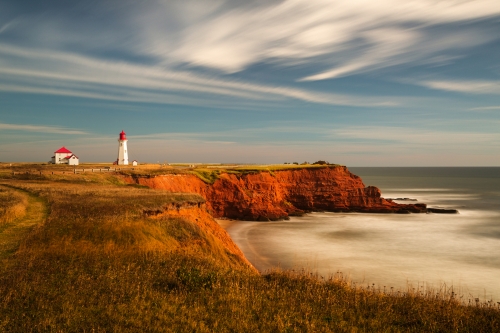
pixel 209 176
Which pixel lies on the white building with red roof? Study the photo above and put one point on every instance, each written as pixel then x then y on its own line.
pixel 64 156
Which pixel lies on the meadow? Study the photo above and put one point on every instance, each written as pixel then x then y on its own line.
pixel 103 257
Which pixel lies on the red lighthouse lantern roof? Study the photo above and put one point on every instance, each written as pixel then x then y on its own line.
pixel 123 136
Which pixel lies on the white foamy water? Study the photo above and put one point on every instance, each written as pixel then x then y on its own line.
pixel 392 250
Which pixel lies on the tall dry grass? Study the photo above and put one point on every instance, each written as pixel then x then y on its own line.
pixel 106 260
pixel 12 205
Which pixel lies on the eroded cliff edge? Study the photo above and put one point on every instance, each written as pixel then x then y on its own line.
pixel 196 213
pixel 272 195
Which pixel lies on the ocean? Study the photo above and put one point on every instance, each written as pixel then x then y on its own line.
pixel 433 251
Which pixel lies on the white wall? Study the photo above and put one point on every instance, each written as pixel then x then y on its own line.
pixel 73 160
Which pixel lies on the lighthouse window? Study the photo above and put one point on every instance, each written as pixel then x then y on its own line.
pixel 121 144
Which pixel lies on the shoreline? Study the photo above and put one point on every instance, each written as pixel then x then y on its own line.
pixel 362 246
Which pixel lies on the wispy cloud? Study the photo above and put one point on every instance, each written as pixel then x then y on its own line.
pixel 464 86
pixel 416 136
pixel 328 38
pixel 81 76
pixel 348 37
pixel 383 137
pixel 486 108
pixel 4 27
pixel 42 129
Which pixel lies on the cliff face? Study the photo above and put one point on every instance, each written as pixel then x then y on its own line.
pixel 197 214
pixel 271 196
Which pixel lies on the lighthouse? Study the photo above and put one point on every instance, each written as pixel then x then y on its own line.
pixel 122 149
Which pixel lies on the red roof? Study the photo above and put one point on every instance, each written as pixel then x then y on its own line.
pixel 63 150
pixel 70 156
pixel 123 136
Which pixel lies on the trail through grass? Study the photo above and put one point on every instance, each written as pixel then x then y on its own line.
pixel 12 233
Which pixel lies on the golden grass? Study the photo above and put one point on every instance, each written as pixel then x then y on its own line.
pixel 100 264
pixel 12 232
pixel 207 173
pixel 12 205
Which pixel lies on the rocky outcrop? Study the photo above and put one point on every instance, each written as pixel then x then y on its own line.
pixel 279 194
pixel 442 211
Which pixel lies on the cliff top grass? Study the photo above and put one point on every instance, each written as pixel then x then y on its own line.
pixel 208 173
pixel 99 263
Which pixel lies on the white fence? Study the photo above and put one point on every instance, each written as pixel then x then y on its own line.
pixel 96 170
pixel 46 172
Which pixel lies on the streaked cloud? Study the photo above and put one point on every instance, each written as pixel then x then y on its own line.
pixel 361 136
pixel 42 129
pixel 348 37
pixel 486 108
pixel 124 81
pixel 5 27
pixel 417 136
pixel 464 86
pixel 330 38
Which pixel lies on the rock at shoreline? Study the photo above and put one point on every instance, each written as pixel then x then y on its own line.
pixel 401 199
pixel 442 211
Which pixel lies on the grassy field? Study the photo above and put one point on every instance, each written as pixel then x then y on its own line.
pixel 99 262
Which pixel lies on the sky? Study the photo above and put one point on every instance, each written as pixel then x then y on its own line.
pixel 353 82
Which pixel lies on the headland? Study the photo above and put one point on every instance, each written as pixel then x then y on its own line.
pixel 138 250
pixel 276 192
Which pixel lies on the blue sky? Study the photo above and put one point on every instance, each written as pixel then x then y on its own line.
pixel 359 83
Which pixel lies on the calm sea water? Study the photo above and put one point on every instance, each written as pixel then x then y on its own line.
pixel 435 250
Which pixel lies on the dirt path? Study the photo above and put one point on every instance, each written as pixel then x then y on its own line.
pixel 12 233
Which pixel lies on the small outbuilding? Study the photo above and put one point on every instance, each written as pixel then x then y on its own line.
pixel 134 162
pixel 72 160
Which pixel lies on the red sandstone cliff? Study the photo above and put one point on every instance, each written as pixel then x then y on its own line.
pixel 271 196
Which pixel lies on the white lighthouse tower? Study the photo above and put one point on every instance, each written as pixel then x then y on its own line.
pixel 122 149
